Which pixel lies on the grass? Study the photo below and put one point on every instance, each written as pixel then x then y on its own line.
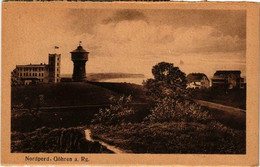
pixel 48 140
pixel 73 94
pixel 175 137
pixel 62 94
pixel 68 94
pixel 233 98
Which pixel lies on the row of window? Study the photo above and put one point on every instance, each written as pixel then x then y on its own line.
pixel 30 69
pixel 31 74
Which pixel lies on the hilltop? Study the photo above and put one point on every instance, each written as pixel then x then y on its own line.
pixel 94 77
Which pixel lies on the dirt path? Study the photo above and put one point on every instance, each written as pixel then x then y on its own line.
pixel 220 107
pixel 110 147
pixel 79 106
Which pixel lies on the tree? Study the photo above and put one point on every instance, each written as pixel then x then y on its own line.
pixel 169 81
pixel 170 97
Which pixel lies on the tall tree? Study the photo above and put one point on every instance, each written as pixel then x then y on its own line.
pixel 169 81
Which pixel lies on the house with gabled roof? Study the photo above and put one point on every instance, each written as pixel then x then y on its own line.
pixel 227 79
pixel 197 81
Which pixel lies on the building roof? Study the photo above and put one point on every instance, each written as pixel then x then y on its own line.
pixel 79 49
pixel 227 72
pixel 217 77
pixel 195 77
pixel 33 65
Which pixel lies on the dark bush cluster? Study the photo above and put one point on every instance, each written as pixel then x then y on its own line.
pixel 188 111
pixel 118 112
pixel 70 140
pixel 172 100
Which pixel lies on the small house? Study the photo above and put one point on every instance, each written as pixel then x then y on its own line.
pixel 227 80
pixel 197 81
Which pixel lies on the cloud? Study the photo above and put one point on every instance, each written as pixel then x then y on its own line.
pixel 125 15
pixel 132 40
pixel 206 39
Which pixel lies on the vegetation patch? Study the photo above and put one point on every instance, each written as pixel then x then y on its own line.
pixel 173 137
pixel 47 140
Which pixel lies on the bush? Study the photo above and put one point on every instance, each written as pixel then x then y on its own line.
pixel 188 111
pixel 118 112
pixel 70 140
pixel 171 98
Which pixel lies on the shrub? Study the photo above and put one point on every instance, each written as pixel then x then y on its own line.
pixel 188 111
pixel 171 98
pixel 118 112
pixel 63 140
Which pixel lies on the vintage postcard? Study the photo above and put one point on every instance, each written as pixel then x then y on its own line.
pixel 130 83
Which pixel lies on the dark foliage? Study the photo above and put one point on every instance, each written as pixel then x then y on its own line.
pixel 189 111
pixel 171 98
pixel 49 140
pixel 169 81
pixel 181 137
pixel 118 112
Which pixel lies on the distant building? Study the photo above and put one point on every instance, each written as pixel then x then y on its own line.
pixel 227 80
pixel 197 81
pixel 54 68
pixel 37 73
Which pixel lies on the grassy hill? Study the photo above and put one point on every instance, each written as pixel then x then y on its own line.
pixel 73 93
pixel 67 94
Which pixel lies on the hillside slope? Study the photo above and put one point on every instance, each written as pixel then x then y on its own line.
pixel 72 93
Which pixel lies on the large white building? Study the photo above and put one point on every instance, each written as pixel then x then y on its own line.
pixel 38 73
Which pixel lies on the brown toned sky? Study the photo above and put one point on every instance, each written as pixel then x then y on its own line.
pixel 130 41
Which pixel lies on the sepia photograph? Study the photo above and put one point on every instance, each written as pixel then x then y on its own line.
pixel 125 80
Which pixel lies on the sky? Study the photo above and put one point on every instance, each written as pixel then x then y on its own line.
pixel 128 40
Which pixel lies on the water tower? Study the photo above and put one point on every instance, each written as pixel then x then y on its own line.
pixel 79 57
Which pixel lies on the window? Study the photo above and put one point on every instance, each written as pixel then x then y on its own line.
pixel 35 74
pixel 57 64
pixel 57 75
pixel 30 74
pixel 21 74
